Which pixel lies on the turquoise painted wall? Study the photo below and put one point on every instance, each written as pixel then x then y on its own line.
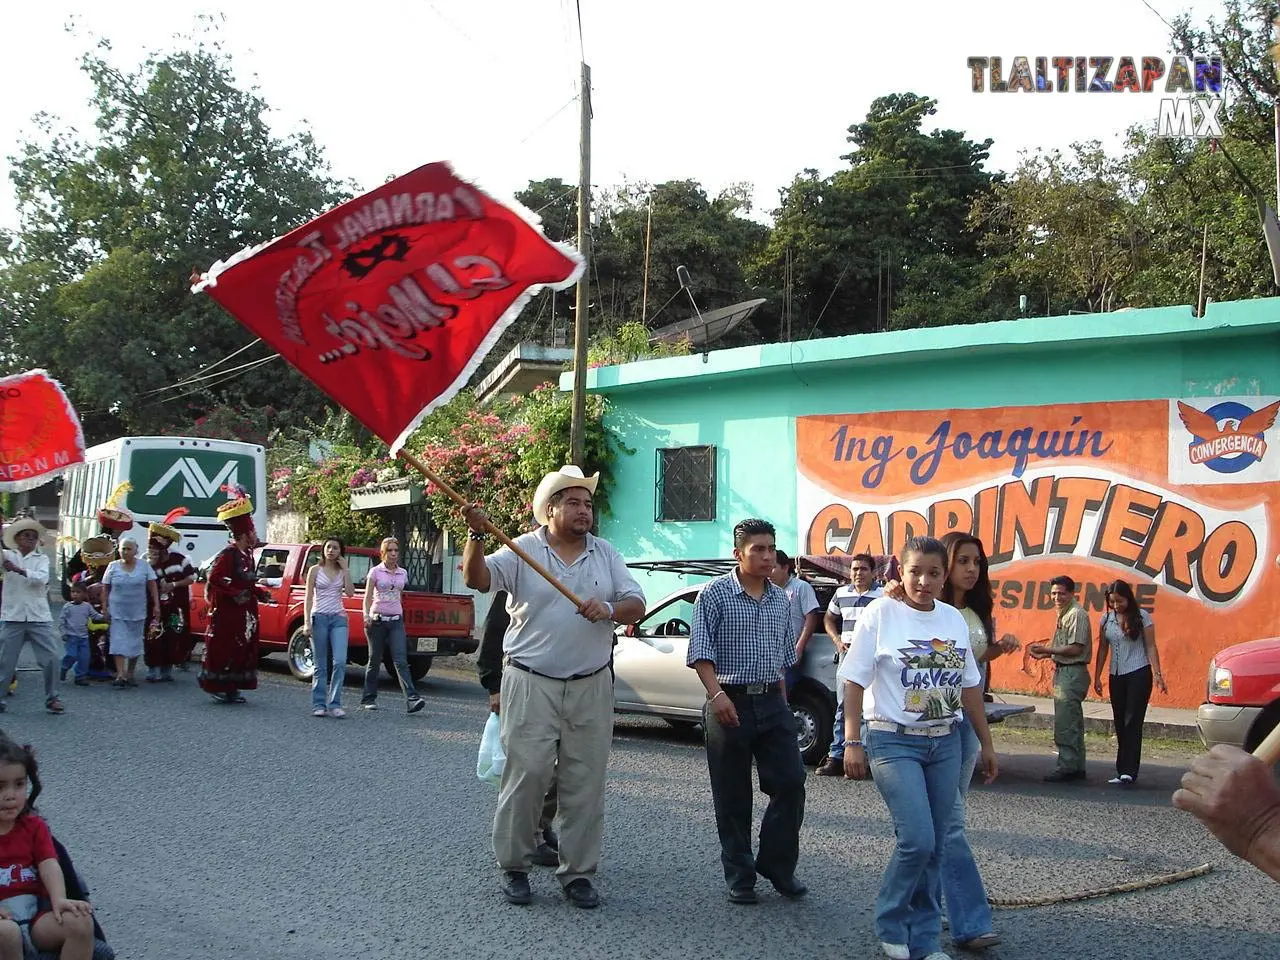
pixel 746 400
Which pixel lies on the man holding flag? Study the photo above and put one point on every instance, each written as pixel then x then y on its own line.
pixel 557 691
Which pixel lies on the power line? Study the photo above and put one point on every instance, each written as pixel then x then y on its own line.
pixel 224 377
pixel 562 108
pixel 1157 13
pixel 212 376
pixel 203 372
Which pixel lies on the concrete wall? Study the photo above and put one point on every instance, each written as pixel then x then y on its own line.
pixel 745 402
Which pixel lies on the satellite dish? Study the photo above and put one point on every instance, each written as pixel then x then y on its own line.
pixel 703 330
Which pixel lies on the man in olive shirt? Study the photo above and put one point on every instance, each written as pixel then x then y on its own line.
pixel 1070 650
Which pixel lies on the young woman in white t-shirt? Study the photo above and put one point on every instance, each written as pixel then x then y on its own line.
pixel 908 676
pixel 1127 632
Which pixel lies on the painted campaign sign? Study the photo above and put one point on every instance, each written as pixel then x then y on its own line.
pixel 1178 497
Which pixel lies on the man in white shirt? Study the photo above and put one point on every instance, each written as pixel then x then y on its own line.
pixel 24 608
pixel 805 609
pixel 842 616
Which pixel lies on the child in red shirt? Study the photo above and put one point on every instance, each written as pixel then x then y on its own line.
pixel 33 891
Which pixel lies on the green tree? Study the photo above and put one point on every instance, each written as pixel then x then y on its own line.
pixel 872 238
pixel 182 171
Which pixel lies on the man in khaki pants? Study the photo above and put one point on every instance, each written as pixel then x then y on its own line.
pixel 557 690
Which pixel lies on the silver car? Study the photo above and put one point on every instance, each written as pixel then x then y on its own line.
pixel 649 658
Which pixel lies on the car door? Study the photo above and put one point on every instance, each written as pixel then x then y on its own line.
pixel 649 662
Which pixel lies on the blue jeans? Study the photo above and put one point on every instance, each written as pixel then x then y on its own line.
pixel 76 653
pixel 966 898
pixel 328 639
pixel 384 634
pixel 766 731
pixel 919 779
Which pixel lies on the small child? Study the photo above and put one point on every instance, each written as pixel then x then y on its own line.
pixel 33 890
pixel 73 624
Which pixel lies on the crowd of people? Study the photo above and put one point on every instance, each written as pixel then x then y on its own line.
pixel 912 656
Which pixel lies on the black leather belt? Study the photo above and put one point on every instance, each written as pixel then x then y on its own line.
pixel 577 676
pixel 751 689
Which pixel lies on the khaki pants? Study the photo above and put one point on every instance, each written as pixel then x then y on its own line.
pixel 561 730
pixel 1070 687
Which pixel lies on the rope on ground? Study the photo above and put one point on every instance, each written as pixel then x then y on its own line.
pixel 1130 886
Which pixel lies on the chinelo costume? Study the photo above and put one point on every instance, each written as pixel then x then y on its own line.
pixel 172 643
pixel 231 644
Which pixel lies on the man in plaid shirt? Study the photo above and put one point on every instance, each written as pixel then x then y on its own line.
pixel 743 640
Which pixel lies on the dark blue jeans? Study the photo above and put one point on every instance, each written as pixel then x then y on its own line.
pixel 767 733
pixel 388 635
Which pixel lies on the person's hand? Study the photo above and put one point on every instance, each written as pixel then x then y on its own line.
pixel 495 703
pixel 725 712
pixel 475 517
pixel 62 907
pixel 595 610
pixel 1009 643
pixel 1097 686
pixel 990 765
pixel 893 589
pixel 1037 650
pixel 12 567
pixel 855 762
pixel 1159 678
pixel 800 650
pixel 5 914
pixel 1234 794
pixel 342 563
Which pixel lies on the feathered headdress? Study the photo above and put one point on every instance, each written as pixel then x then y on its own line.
pixel 237 512
pixel 163 534
pixel 114 517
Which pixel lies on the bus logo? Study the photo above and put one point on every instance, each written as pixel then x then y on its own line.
pixel 195 485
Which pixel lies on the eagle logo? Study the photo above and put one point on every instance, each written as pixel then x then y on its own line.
pixel 1228 436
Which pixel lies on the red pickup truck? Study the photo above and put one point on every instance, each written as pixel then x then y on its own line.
pixel 1243 702
pixel 436 624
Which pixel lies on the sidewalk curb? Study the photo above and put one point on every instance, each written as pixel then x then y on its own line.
pixel 1105 726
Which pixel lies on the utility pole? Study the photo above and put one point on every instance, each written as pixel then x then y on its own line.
pixel 576 424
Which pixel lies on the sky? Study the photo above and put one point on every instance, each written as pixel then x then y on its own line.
pixel 715 91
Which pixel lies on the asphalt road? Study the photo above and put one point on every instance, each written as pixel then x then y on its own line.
pixel 260 832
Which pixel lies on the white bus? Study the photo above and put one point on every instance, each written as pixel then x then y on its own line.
pixel 165 472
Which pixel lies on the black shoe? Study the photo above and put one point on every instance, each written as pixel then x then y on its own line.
pixel 582 894
pixel 516 888
pixel 1064 776
pixel 545 856
pixel 830 767
pixel 81 682
pixel 416 704
pixel 790 887
pixel 550 839
pixel 743 895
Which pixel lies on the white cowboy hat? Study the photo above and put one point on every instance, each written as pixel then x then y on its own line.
pixel 553 483
pixel 11 531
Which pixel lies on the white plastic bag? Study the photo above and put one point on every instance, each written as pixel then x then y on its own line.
pixel 492 760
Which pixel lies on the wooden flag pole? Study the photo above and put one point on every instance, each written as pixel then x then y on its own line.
pixel 1269 749
pixel 457 498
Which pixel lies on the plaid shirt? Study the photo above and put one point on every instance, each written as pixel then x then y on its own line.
pixel 748 640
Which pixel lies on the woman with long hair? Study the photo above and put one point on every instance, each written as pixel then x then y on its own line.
pixel 968 589
pixel 325 620
pixel 1128 633
pixel 384 627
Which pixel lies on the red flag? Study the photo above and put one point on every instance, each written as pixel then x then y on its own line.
pixel 40 433
pixel 389 302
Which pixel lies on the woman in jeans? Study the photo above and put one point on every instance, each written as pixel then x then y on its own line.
pixel 1127 632
pixel 915 660
pixel 325 621
pixel 384 626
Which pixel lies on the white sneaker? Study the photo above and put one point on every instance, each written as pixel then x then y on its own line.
pixel 895 951
pixel 368 706
pixel 1115 781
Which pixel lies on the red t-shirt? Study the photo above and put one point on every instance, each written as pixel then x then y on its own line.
pixel 28 844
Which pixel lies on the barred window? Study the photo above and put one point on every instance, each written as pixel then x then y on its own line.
pixel 686 484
